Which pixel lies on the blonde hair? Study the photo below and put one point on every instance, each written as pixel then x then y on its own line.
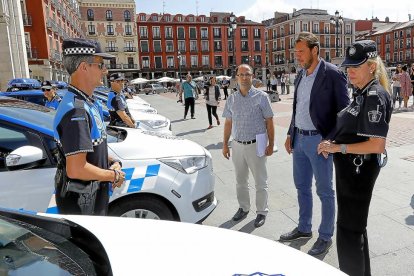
pixel 380 73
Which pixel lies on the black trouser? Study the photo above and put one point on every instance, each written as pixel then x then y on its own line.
pixel 211 109
pixel 282 86
pixel 189 102
pixel 353 194
pixel 84 204
pixel 226 93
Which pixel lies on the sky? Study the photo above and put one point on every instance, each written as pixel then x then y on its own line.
pixel 258 10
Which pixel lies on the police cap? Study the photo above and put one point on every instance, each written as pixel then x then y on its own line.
pixel 359 52
pixel 82 46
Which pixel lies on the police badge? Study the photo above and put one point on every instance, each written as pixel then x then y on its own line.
pixel 374 116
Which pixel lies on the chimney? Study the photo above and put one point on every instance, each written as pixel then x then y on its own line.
pixel 387 19
pixel 409 17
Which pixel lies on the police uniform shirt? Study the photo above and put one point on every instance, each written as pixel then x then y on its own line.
pixel 53 103
pixel 367 116
pixel 119 104
pixel 79 128
pixel 111 95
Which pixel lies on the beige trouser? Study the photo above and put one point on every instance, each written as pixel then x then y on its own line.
pixel 244 158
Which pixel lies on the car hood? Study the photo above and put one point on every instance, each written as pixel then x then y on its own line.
pixel 140 115
pixel 155 247
pixel 150 145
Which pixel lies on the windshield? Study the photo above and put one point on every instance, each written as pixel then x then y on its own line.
pixel 24 252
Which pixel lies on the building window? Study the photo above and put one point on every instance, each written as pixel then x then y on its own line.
pixel 243 32
pixel 142 17
pixel 167 18
pixel 128 29
pixel 257 45
pixel 181 46
pixel 257 33
pixel 154 17
pixel 193 45
pixel 348 29
pixel 169 46
pixel 156 32
pixel 216 32
pixel 245 45
pixel 144 46
pixel 110 29
pixel 129 46
pixel 305 27
pixel 157 46
pixel 90 15
pixel 91 29
pixel 205 61
pixel 108 15
pixel 326 28
pixel 179 18
pixel 230 46
pixel 202 19
pixel 218 61
pixel 168 32
pixel 204 33
pixel 327 42
pixel 127 16
pixel 143 32
pixel 111 47
pixel 258 60
pixel 158 62
pixel 193 33
pixel 204 46
pixel 194 61
pixel 170 62
pixel 180 33
pixel 274 33
pixel 315 28
pixel 145 62
pixel 217 46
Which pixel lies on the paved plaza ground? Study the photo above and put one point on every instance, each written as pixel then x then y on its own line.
pixel 391 220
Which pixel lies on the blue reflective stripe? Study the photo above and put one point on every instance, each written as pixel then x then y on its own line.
pixel 152 170
pixel 135 185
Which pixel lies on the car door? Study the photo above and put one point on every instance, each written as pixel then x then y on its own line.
pixel 28 189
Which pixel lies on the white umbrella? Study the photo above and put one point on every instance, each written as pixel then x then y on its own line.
pixel 200 78
pixel 223 77
pixel 139 81
pixel 165 79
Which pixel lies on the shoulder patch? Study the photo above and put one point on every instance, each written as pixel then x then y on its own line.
pixel 372 93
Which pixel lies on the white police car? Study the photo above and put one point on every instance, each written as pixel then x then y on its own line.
pixel 90 245
pixel 166 177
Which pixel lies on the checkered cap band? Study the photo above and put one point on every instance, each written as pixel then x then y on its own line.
pixel 79 51
pixel 372 54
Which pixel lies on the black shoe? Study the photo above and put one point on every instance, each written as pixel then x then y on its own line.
pixel 240 214
pixel 259 221
pixel 320 247
pixel 192 117
pixel 294 235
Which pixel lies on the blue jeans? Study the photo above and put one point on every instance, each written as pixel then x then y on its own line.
pixel 306 164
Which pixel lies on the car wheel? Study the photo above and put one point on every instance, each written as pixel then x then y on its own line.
pixel 144 207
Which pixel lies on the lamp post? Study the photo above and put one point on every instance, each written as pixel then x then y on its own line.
pixel 179 64
pixel 337 21
pixel 233 27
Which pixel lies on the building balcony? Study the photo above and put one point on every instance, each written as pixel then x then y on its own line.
pixel 128 33
pixel 110 33
pixel 130 49
pixel 111 49
pixel 27 20
pixel 130 66
pixel 114 66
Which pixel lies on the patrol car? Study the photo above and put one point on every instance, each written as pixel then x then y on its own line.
pixel 147 120
pixel 40 244
pixel 166 177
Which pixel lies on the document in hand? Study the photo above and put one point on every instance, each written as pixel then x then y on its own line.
pixel 261 144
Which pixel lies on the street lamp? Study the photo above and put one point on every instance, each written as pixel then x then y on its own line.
pixel 179 64
pixel 337 21
pixel 233 27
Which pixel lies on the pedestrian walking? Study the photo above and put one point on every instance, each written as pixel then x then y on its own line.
pixel 273 82
pixel 283 82
pixel 406 87
pixel 249 118
pixel 189 91
pixel 396 87
pixel 360 139
pixel 212 96
pixel 49 91
pixel 84 170
pixel 321 93
pixel 225 84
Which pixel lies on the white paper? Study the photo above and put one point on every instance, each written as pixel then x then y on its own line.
pixel 261 144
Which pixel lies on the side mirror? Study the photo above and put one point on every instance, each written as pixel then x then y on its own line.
pixel 25 157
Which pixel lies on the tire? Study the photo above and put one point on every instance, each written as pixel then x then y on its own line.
pixel 146 207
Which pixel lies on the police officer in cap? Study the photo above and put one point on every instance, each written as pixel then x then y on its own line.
pixel 49 91
pixel 120 115
pixel 360 139
pixel 84 170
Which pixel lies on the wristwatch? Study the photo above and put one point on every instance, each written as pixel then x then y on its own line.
pixel 343 148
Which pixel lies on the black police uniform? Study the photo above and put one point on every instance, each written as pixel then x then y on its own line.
pixel 367 116
pixel 119 103
pixel 81 115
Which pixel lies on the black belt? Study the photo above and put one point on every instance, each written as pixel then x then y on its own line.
pixel 246 142
pixel 307 132
pixel 365 157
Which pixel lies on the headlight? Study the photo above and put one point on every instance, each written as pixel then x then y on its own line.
pixel 149 110
pixel 188 164
pixel 154 124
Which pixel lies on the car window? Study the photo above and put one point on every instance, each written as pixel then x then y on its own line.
pixel 12 138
